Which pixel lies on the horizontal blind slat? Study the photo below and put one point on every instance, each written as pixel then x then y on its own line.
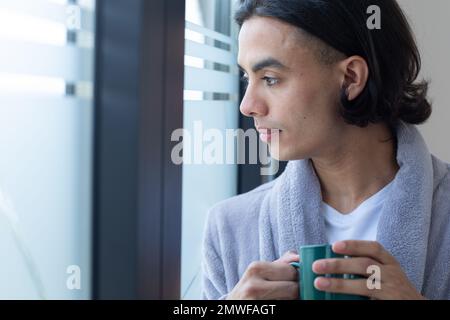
pixel 230 105
pixel 210 81
pixel 49 11
pixel 206 52
pixel 209 33
pixel 36 101
pixel 69 62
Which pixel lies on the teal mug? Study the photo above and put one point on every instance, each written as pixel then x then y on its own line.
pixel 309 254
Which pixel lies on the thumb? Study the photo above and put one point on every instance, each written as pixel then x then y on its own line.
pixel 288 257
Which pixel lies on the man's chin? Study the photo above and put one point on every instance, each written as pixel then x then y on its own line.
pixel 277 153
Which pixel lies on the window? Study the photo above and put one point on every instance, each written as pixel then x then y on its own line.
pixel 210 102
pixel 46 109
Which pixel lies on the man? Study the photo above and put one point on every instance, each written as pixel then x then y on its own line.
pixel 341 102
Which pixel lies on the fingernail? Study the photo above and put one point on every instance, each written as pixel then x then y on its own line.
pixel 340 245
pixel 323 283
pixel 319 266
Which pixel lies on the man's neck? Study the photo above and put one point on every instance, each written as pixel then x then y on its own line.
pixel 358 168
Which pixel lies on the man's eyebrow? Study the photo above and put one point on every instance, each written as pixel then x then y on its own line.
pixel 268 62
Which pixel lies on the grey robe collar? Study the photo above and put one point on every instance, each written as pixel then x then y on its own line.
pixel 292 210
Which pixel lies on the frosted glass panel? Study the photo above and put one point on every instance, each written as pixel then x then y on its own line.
pixel 210 102
pixel 46 129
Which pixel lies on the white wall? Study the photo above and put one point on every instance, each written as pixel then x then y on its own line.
pixel 431 24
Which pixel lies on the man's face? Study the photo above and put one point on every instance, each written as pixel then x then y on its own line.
pixel 289 89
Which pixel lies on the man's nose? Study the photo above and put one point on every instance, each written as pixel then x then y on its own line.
pixel 252 105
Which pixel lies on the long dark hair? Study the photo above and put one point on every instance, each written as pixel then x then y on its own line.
pixel 391 53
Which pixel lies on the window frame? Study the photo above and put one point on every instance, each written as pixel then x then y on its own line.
pixel 137 188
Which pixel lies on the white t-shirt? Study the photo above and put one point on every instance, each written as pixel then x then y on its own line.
pixel 360 224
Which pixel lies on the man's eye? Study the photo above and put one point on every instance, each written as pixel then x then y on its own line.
pixel 270 81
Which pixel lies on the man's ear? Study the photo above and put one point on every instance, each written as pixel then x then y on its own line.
pixel 355 74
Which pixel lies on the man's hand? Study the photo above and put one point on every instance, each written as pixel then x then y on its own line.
pixel 268 280
pixel 394 282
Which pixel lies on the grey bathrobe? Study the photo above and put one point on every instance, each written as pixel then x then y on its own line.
pixel 284 214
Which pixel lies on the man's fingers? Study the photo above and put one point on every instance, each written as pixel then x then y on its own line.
pixel 288 257
pixel 357 265
pixel 284 290
pixel 356 287
pixel 272 271
pixel 358 248
pixel 276 290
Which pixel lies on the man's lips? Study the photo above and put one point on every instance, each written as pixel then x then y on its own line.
pixel 266 134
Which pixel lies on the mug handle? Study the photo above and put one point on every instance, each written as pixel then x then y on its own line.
pixel 298 266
